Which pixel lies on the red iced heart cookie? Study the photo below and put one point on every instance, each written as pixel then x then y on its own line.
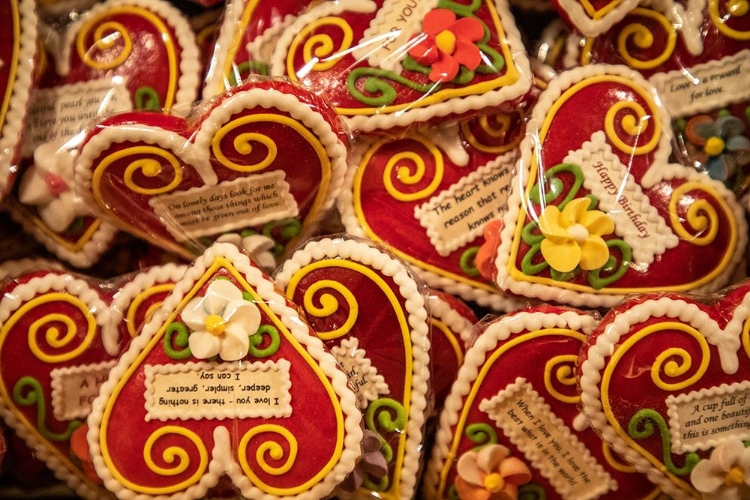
pixel 386 64
pixel 119 55
pixel 18 23
pixel 428 195
pixel 512 421
pixel 264 161
pixel 228 378
pixel 368 309
pixel 664 379
pixel 599 212
pixel 593 17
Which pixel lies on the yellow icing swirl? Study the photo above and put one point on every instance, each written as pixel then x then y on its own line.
pixel 329 305
pixel 635 122
pixel 132 323
pixel 106 36
pixel 400 166
pixel 149 167
pixel 734 9
pixel 319 51
pixel 177 457
pixel 275 451
pixel 643 38
pixel 701 215
pixel 498 128
pixel 563 368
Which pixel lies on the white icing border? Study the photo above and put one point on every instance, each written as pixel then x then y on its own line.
pixel 345 203
pixel 498 331
pixel 214 80
pixel 660 170
pixel 594 27
pixel 15 268
pixel 455 321
pixel 189 61
pixel 370 256
pixel 9 303
pixel 453 105
pixel 727 342
pixel 221 461
pixel 90 253
pixel 56 384
pixel 15 116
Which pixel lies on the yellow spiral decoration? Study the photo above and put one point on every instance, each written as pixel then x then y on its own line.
pixel 746 338
pixel 701 215
pixel 272 449
pixel 52 334
pixel 642 37
pixel 329 305
pixel 177 457
pixel 319 51
pixel 498 129
pixel 403 172
pixel 139 299
pixel 734 8
pixel 563 369
pixel 635 123
pixel 149 167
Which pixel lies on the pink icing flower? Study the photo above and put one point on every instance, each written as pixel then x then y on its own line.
pixel 446 43
pixel 490 473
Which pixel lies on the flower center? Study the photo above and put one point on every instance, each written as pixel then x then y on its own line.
pixel 714 146
pixel 735 476
pixel 494 482
pixel 215 324
pixel 446 42
pixel 578 232
pixel 55 184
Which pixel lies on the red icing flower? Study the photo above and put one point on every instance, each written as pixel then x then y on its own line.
pixel 446 43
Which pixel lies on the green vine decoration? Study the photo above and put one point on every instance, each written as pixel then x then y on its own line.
pixel 235 76
pixel 256 339
pixel 35 396
pixel 555 186
pixel 453 493
pixel 381 92
pixel 177 335
pixel 481 434
pixel 468 262
pixel 460 9
pixel 388 421
pixel 617 270
pixel 76 226
pixel 531 491
pixel 147 99
pixel 289 228
pixel 641 426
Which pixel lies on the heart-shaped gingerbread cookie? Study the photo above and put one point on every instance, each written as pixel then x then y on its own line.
pixel 598 212
pixel 664 379
pixel 265 160
pixel 512 423
pixel 225 379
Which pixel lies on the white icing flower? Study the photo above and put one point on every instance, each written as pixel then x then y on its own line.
pixel 257 245
pixel 222 322
pixel 48 185
pixel 726 475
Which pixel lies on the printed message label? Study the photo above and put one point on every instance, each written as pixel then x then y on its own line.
pixel 60 113
pixel 700 420
pixel 218 390
pixel 547 443
pixel 364 378
pixel 636 220
pixel 237 204
pixel 75 388
pixel 458 215
pixel 705 87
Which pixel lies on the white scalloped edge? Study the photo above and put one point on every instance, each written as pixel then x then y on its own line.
pixel 190 66
pixel 90 253
pixel 140 282
pixel 14 268
pixel 56 384
pixel 686 397
pixel 659 170
pixel 590 26
pixel 454 105
pixel 349 349
pixel 259 47
pixel 526 447
pixel 10 302
pixel 231 16
pixel 370 256
pixel 345 203
pixel 727 342
pixel 498 331
pixel 15 116
pixel 282 365
pixel 221 456
pixel 456 323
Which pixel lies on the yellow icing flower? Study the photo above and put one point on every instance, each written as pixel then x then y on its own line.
pixel 573 237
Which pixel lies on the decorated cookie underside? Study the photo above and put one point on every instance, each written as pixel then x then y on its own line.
pixel 682 366
pixel 259 167
pixel 697 59
pixel 18 53
pixel 381 63
pixel 429 194
pixel 370 312
pixel 229 378
pixel 600 213
pixel 512 424
pixel 96 68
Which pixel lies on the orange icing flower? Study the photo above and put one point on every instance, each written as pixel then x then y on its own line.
pixel 573 237
pixel 490 473
pixel 485 259
pixel 446 43
pixel 79 448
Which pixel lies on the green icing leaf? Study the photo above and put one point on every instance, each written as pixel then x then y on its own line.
pixel 460 9
pixel 641 426
pixel 256 339
pixel 481 434
pixel 468 262
pixel 555 186
pixel 381 93
pixel 288 229
pixel 177 335
pixel 527 263
pixel 146 98
pixel 453 493
pixel 617 270
pixel 28 392
pixel 531 491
